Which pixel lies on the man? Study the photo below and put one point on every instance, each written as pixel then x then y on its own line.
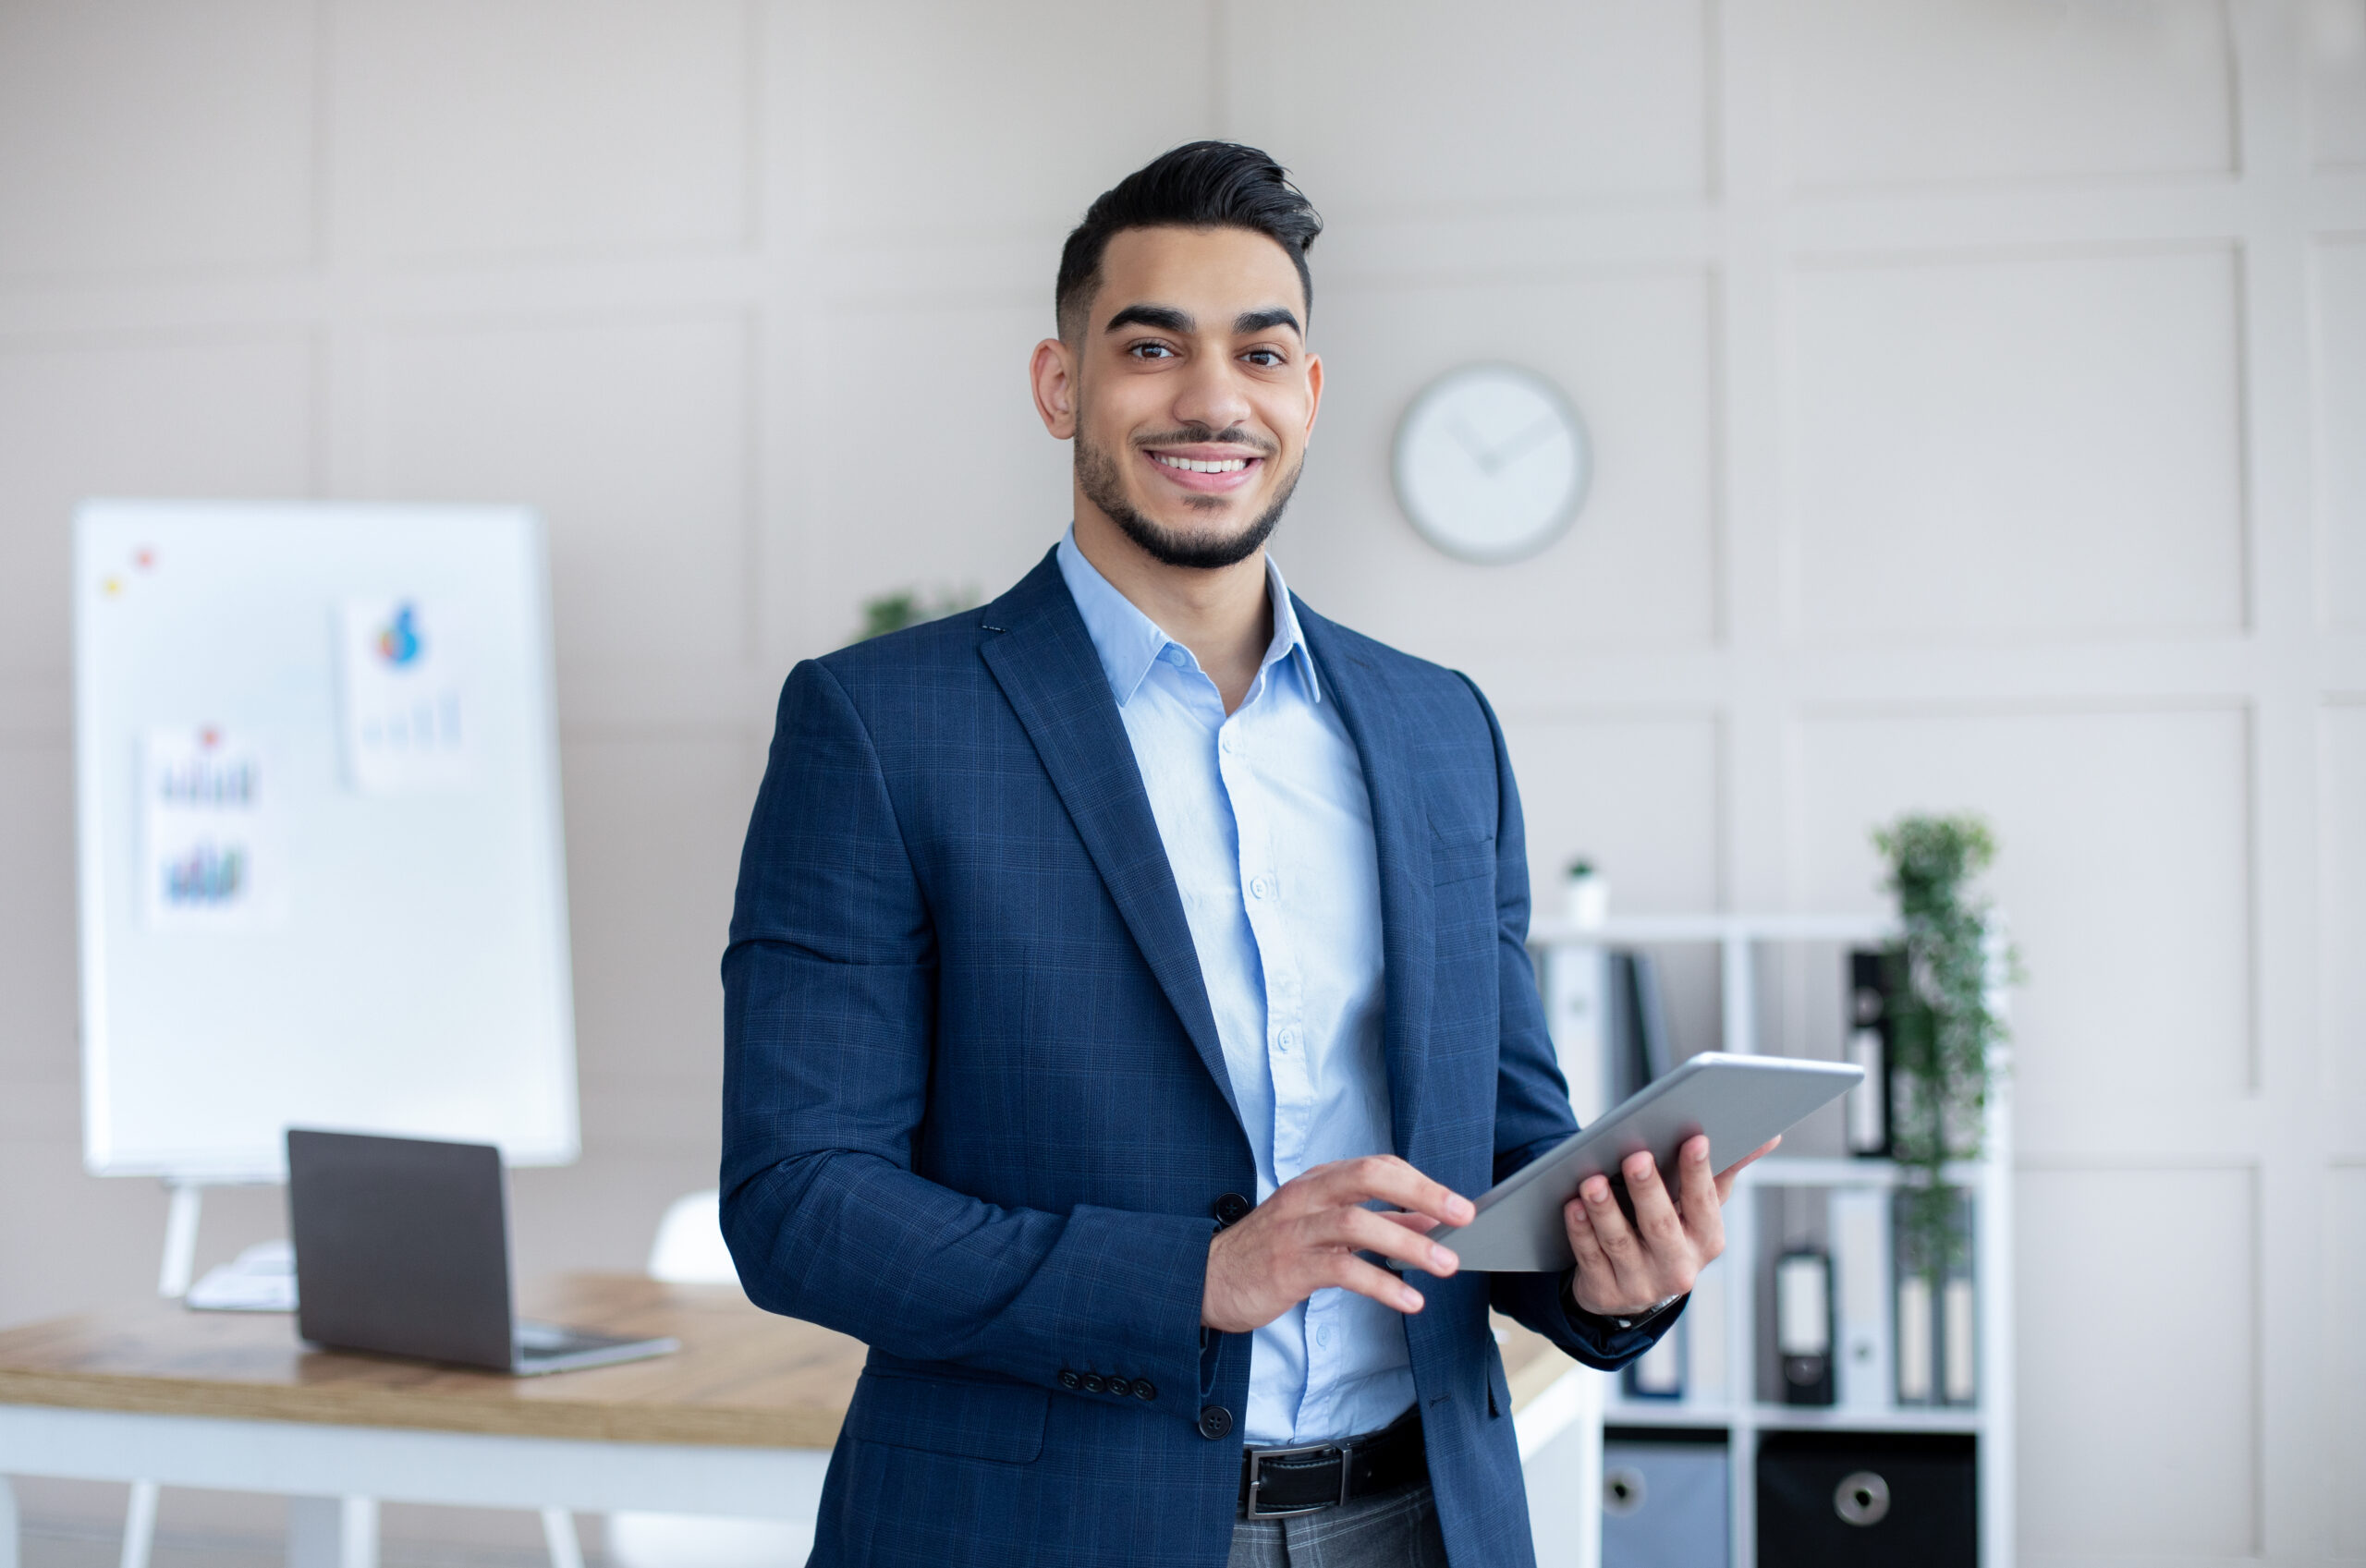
pixel 1118 971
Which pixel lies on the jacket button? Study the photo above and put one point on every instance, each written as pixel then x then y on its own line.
pixel 1215 1421
pixel 1092 1383
pixel 1119 1387
pixel 1144 1389
pixel 1231 1209
pixel 1069 1380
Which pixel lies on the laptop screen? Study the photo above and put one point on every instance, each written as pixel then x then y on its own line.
pixel 402 1247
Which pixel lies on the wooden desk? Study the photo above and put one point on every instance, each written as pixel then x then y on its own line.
pixel 743 1377
pixel 739 1422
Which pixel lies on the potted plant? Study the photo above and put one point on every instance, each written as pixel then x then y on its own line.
pixel 1944 973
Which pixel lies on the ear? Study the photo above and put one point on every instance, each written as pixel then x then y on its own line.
pixel 1052 371
pixel 1313 390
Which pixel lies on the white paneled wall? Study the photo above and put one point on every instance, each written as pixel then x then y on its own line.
pixel 1389 110
pixel 153 137
pixel 1648 784
pixel 2341 404
pixel 546 127
pixel 2157 1453
pixel 2006 91
pixel 2346 1456
pixel 2012 447
pixel 1977 388
pixel 629 432
pixel 2125 862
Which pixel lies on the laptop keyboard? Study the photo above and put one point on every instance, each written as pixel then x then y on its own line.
pixel 552 1339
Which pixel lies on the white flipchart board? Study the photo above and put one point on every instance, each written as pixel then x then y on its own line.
pixel 322 880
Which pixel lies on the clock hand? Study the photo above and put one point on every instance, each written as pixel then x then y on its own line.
pixel 1472 445
pixel 1519 446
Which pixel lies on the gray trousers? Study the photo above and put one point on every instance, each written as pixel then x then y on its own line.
pixel 1398 1529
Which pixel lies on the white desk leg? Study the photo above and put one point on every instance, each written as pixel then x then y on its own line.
pixel 558 1534
pixel 332 1532
pixel 139 1525
pixel 7 1524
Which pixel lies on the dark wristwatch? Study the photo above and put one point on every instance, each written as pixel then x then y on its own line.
pixel 1631 1320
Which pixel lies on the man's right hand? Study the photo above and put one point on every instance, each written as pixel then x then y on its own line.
pixel 1305 1236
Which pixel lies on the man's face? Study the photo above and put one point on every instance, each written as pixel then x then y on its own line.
pixel 1190 391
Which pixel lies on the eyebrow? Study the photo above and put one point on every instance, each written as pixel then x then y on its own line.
pixel 1258 321
pixel 1167 318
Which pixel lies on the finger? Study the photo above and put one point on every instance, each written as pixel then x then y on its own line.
pixel 1361 1230
pixel 1384 1176
pixel 1612 1231
pixel 1726 1176
pixel 1655 1219
pixel 1704 1220
pixel 1364 1279
pixel 1594 1264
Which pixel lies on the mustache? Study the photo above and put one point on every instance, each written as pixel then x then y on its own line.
pixel 1201 435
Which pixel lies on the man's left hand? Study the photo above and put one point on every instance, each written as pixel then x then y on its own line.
pixel 1626 1267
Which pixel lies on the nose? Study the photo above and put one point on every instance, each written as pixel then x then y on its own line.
pixel 1211 395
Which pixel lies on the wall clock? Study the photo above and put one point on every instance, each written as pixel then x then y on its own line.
pixel 1491 462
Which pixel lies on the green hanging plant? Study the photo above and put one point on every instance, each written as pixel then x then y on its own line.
pixel 908 607
pixel 1946 1033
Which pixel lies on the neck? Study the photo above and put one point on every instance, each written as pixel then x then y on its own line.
pixel 1222 614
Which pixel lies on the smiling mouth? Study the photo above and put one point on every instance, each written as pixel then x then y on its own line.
pixel 1199 466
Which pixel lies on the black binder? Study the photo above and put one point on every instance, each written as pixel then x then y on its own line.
pixel 1869 1046
pixel 1641 1054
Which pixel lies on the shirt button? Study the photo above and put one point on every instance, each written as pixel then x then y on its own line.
pixel 1215 1421
pixel 1323 1336
pixel 1225 741
pixel 1259 888
pixel 1287 1039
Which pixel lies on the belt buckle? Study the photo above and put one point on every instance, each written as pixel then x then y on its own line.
pixel 1257 1459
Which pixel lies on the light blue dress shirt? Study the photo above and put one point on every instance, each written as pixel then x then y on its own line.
pixel 1268 829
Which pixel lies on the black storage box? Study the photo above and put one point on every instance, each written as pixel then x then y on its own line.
pixel 1866 1499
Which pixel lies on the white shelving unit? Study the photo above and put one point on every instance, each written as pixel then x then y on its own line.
pixel 1741 1415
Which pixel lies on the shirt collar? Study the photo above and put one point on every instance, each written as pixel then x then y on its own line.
pixel 1130 642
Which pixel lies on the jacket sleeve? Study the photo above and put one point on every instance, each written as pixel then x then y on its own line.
pixel 829 1022
pixel 1532 1099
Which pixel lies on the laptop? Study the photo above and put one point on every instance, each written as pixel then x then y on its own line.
pixel 402 1249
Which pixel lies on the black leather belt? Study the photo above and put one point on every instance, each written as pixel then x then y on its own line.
pixel 1278 1481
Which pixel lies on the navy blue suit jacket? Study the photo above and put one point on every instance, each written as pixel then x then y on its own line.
pixel 975 1113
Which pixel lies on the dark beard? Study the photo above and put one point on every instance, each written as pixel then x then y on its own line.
pixel 1098 476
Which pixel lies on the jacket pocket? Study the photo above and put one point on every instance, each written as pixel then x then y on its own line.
pixel 1460 852
pixel 977 1419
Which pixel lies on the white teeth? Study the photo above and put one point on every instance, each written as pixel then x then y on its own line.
pixel 1192 465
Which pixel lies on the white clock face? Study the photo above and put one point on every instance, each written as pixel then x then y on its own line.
pixel 1491 462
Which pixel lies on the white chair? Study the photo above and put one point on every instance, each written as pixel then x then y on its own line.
pixel 690 1250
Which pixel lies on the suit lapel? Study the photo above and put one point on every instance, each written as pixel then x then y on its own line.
pixel 1400 826
pixel 1046 666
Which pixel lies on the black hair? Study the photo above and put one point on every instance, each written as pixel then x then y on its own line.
pixel 1199 185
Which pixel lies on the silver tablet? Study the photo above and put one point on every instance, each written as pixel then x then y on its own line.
pixel 1740 1101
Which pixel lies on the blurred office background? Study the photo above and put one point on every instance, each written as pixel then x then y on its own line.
pixel 1978 391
